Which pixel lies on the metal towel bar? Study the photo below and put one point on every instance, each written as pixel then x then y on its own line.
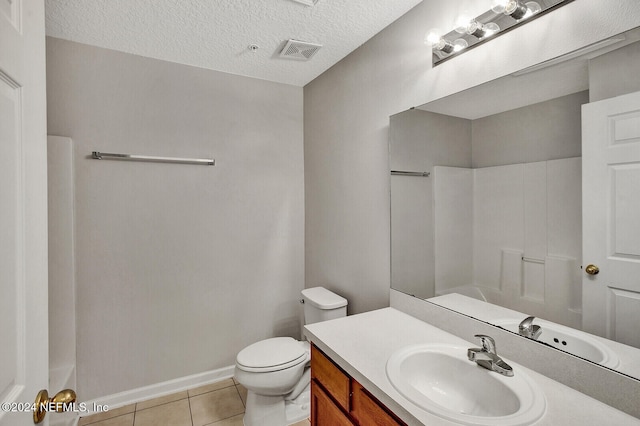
pixel 403 173
pixel 96 155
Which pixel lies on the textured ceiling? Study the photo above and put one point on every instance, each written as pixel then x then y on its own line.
pixel 216 34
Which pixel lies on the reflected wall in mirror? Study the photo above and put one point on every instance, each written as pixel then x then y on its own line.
pixel 500 218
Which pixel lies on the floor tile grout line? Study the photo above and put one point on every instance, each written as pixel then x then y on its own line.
pixel 109 418
pixel 217 390
pixel 221 420
pixel 160 405
pixel 203 393
pixel 190 412
pixel 240 395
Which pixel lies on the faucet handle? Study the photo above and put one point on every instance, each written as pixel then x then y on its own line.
pixel 488 344
pixel 528 329
pixel 526 323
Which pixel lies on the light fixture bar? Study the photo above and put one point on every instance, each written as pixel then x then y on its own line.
pixel 503 17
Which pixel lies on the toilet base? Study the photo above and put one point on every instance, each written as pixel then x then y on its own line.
pixel 275 411
pixel 299 408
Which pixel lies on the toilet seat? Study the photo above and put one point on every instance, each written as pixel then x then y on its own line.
pixel 277 353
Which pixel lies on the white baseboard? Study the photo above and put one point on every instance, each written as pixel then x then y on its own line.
pixel 160 389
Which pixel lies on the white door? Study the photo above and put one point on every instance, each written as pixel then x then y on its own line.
pixel 23 209
pixel 611 218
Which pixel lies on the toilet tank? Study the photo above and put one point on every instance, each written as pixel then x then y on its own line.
pixel 321 304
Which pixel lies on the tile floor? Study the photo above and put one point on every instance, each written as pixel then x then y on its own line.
pixel 217 404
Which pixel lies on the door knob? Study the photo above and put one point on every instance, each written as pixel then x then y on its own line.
pixel 592 270
pixel 58 403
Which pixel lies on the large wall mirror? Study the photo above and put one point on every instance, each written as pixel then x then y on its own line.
pixel 521 198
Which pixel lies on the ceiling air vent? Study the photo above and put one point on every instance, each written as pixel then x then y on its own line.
pixel 307 2
pixel 299 50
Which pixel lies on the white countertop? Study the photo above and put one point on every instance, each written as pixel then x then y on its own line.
pixel 361 345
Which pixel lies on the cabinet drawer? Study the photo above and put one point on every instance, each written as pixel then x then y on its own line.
pixel 369 411
pixel 323 411
pixel 332 378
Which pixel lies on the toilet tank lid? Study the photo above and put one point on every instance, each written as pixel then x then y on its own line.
pixel 322 298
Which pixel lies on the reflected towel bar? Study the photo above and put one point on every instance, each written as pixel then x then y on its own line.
pixel 532 260
pixel 96 155
pixel 401 173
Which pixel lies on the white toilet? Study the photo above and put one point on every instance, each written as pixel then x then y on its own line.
pixel 276 371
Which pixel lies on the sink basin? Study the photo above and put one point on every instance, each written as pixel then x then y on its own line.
pixel 441 380
pixel 569 340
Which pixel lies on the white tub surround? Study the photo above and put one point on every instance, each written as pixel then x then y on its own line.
pixel 362 344
pixel 512 233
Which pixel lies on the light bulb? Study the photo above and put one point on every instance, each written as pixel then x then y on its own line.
pixel 498 6
pixel 433 36
pixel 462 23
pixel 444 46
pixel 459 44
pixel 516 9
pixel 490 29
pixel 532 8
pixel 437 42
pixel 475 29
pixel 480 30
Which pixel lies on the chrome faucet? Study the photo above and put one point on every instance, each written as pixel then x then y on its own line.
pixel 528 329
pixel 487 357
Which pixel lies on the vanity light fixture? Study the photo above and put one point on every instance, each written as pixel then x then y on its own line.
pixel 480 30
pixel 503 16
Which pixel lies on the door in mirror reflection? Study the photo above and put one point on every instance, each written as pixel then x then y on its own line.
pixel 611 218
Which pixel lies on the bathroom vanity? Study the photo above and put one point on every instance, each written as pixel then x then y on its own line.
pixel 338 399
pixel 351 380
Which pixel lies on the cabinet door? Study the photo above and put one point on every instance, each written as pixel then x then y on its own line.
pixel 368 411
pixel 323 411
pixel 335 381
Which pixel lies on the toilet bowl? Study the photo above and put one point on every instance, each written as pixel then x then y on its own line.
pixel 276 371
pixel 271 370
pixel 272 366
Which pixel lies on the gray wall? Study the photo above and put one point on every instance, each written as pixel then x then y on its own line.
pixel 615 73
pixel 178 266
pixel 346 117
pixel 544 131
pixel 420 140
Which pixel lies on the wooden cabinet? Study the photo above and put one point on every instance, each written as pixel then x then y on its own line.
pixel 324 411
pixel 368 410
pixel 338 399
pixel 336 382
